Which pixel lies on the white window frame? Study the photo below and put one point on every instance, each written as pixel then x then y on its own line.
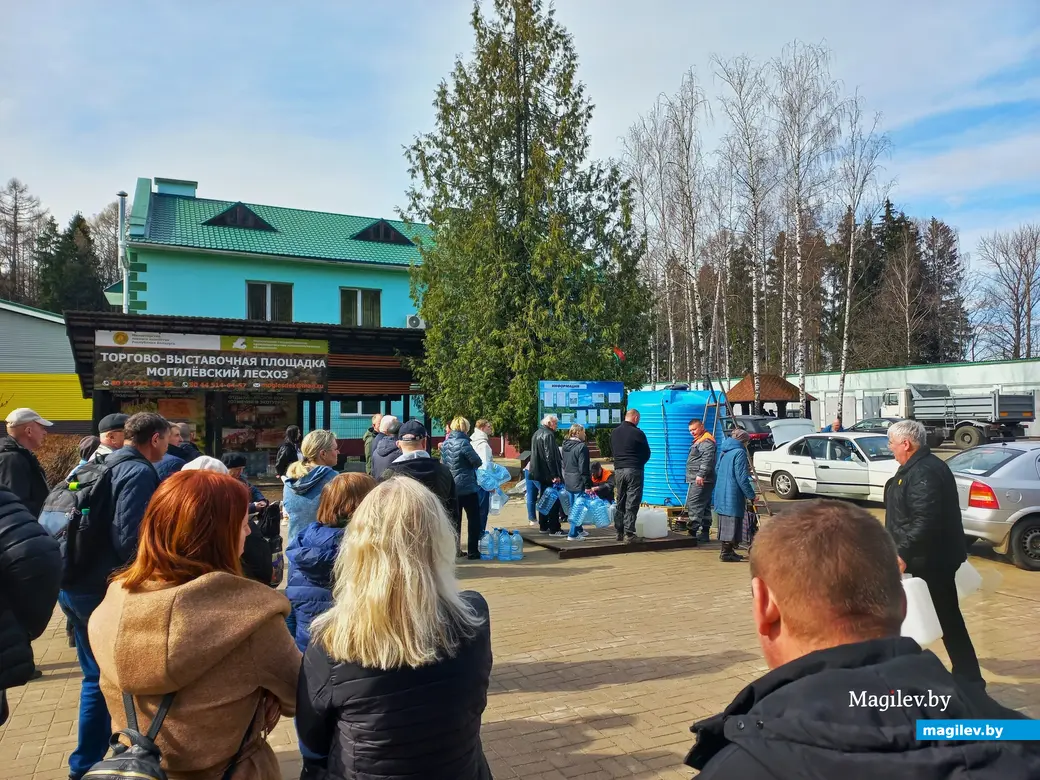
pixel 358 413
pixel 357 296
pixel 267 302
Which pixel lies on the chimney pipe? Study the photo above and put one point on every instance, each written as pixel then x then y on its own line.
pixel 124 261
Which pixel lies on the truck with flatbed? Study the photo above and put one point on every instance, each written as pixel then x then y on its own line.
pixel 967 420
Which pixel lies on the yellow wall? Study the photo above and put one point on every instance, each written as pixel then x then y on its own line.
pixel 54 396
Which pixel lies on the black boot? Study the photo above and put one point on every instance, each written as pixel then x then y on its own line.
pixel 313 770
pixel 728 555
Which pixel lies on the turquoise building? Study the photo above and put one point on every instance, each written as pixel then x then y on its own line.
pixel 202 257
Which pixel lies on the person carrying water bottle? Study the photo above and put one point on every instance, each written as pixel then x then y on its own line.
pixel 547 470
pixel 577 477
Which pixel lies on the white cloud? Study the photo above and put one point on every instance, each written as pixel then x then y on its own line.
pixel 956 173
pixel 252 107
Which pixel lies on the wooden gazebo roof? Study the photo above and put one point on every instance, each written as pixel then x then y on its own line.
pixel 772 388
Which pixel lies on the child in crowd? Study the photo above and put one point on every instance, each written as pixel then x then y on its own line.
pixel 312 553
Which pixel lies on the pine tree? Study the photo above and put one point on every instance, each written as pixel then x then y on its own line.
pixel 69 274
pixel 946 339
pixel 533 270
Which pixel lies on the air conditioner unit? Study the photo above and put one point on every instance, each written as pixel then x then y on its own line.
pixel 414 321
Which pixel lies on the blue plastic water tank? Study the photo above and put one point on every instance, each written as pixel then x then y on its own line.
pixel 665 418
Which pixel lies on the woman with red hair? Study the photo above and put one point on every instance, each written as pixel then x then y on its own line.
pixel 183 621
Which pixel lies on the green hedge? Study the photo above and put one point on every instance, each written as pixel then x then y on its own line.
pixel 603 442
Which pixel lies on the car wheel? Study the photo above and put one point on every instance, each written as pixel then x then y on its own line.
pixel 1025 544
pixel 785 486
pixel 967 437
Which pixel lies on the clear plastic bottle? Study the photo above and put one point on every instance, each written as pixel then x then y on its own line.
pixel 517 551
pixel 505 546
pixel 484 546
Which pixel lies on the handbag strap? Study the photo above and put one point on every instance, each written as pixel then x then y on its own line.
pixel 157 721
pixel 238 753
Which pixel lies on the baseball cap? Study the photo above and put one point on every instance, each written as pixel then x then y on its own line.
pixel 112 422
pixel 233 460
pixel 412 430
pixel 23 416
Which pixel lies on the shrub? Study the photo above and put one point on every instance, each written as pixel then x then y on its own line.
pixel 603 442
pixel 58 456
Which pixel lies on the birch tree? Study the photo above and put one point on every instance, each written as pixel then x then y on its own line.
pixel 749 154
pixel 1012 265
pixel 807 104
pixel 686 174
pixel 859 163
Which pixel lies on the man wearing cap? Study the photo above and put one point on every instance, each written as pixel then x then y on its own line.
pixel 415 462
pixel 20 471
pixel 110 431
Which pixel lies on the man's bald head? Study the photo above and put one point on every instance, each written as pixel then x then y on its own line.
pixel 632 416
pixel 823 574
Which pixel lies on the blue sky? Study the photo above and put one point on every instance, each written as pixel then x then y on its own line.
pixel 309 104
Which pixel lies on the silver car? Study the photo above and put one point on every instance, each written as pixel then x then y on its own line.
pixel 999 489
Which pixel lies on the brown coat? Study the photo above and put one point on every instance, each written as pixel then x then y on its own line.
pixel 219 642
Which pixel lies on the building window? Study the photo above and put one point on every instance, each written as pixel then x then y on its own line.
pixel 360 408
pixel 359 308
pixel 269 301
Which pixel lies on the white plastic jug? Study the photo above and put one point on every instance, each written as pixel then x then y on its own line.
pixel 652 524
pixel 921 623
pixel 968 580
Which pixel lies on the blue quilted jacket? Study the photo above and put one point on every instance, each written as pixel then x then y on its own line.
pixel 733 481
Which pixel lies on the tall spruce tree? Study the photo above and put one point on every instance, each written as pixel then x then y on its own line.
pixel 532 272
pixel 69 273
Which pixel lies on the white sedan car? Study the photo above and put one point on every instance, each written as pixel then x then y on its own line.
pixel 831 465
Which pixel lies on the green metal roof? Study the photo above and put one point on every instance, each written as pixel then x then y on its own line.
pixel 21 308
pixel 175 220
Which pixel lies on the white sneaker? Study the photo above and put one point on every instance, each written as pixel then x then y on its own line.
pixel 584 533
pixel 576 538
pixel 532 523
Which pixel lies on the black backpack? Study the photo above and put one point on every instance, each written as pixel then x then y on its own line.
pixel 76 513
pixel 142 759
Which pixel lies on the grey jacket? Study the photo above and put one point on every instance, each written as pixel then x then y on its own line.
pixel 701 460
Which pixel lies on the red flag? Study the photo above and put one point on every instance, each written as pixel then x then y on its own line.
pixel 619 355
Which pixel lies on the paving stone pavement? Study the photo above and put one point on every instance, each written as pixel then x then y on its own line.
pixel 601 664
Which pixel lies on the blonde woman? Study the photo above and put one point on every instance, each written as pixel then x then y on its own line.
pixel 577 476
pixel 304 481
pixel 394 682
pixel 459 456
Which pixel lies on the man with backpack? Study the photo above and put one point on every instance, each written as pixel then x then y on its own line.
pixel 111 499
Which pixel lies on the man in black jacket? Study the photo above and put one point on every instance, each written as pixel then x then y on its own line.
pixel 845 691
pixel 20 472
pixel 30 573
pixel 923 515
pixel 631 453
pixel 415 462
pixel 546 469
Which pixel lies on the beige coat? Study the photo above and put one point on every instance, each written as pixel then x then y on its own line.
pixel 219 642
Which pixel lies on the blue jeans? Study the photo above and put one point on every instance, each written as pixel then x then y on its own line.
pixel 95 724
pixel 533 489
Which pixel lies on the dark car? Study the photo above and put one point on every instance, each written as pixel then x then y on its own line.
pixel 757 426
pixel 873 425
